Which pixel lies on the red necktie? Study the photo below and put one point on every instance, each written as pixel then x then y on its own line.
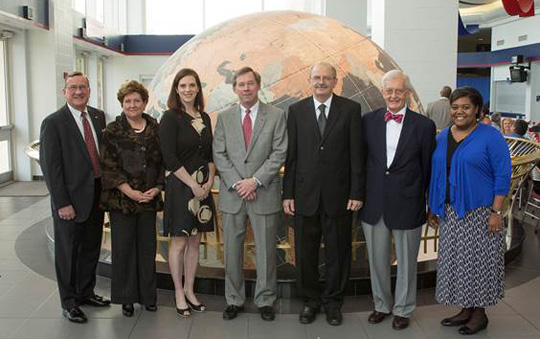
pixel 91 145
pixel 247 128
pixel 396 117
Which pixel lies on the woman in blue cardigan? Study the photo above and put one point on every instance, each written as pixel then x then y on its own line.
pixel 470 178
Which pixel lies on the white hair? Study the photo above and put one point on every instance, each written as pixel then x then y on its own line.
pixel 394 74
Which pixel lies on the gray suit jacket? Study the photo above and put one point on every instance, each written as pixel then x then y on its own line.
pixel 439 112
pixel 263 158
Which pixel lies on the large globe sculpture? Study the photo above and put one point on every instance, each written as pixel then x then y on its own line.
pixel 281 46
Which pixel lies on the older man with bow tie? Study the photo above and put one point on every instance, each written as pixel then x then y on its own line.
pixel 399 144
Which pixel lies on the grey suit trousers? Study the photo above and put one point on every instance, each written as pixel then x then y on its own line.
pixel 265 232
pixel 407 243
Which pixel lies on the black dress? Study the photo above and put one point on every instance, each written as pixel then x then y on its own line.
pixel 186 142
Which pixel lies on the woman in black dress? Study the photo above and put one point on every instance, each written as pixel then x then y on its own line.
pixel 186 143
pixel 132 178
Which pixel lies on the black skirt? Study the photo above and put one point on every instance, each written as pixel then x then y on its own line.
pixel 184 215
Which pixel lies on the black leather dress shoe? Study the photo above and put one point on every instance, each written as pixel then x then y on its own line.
pixel 334 316
pixel 308 314
pixel 232 311
pixel 453 322
pixel 467 330
pixel 376 317
pixel 96 301
pixel 400 323
pixel 128 309
pixel 267 313
pixel 75 315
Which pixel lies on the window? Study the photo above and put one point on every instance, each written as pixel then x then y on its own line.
pixel 79 5
pixel 6 170
pixel 174 17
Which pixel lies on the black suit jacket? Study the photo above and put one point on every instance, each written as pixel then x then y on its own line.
pixel 65 162
pixel 398 193
pixel 327 167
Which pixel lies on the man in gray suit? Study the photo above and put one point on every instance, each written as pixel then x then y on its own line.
pixel 250 145
pixel 439 110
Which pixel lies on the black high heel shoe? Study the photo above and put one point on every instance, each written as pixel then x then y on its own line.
pixel 197 308
pixel 128 309
pixel 466 330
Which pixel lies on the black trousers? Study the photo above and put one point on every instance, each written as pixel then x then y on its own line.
pixel 76 253
pixel 337 237
pixel 133 258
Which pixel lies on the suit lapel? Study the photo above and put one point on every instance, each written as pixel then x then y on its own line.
pixel 76 135
pixel 379 129
pixel 333 115
pixel 406 132
pixel 259 123
pixel 96 124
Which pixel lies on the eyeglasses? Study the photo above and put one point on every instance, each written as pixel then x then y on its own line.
pixel 317 78
pixel 74 88
pixel 391 91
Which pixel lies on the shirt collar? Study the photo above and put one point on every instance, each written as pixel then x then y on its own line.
pixel 75 111
pixel 401 111
pixel 327 103
pixel 253 109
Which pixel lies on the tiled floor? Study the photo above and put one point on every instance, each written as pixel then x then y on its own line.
pixel 29 305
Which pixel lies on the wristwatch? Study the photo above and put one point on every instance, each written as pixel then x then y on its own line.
pixel 494 211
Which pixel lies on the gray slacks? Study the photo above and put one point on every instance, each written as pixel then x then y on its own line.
pixel 407 243
pixel 265 232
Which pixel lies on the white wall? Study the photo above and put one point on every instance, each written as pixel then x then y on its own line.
pixel 510 31
pixel 421 36
pixel 120 69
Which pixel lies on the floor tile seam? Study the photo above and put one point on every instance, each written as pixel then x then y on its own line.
pixel 135 325
pixel 521 316
pixel 189 329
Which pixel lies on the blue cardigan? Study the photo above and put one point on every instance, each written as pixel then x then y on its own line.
pixel 480 170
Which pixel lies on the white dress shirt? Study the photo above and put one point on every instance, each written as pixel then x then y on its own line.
pixel 393 131
pixel 327 103
pixel 254 110
pixel 78 119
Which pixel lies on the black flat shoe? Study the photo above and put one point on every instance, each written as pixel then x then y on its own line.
pixel 151 308
pixel 466 330
pixel 334 317
pixel 127 310
pixel 451 322
pixel 267 313
pixel 197 308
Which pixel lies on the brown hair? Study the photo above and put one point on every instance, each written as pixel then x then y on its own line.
pixel 174 102
pixel 76 74
pixel 132 86
pixel 245 70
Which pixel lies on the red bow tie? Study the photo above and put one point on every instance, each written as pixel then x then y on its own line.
pixel 396 117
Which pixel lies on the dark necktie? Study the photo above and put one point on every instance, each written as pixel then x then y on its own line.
pixel 321 120
pixel 91 145
pixel 246 125
pixel 396 117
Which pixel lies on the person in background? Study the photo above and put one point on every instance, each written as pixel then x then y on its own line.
pixel 133 178
pixel 519 129
pixel 69 159
pixel 439 110
pixel 507 125
pixel 496 121
pixel 470 179
pixel 186 142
